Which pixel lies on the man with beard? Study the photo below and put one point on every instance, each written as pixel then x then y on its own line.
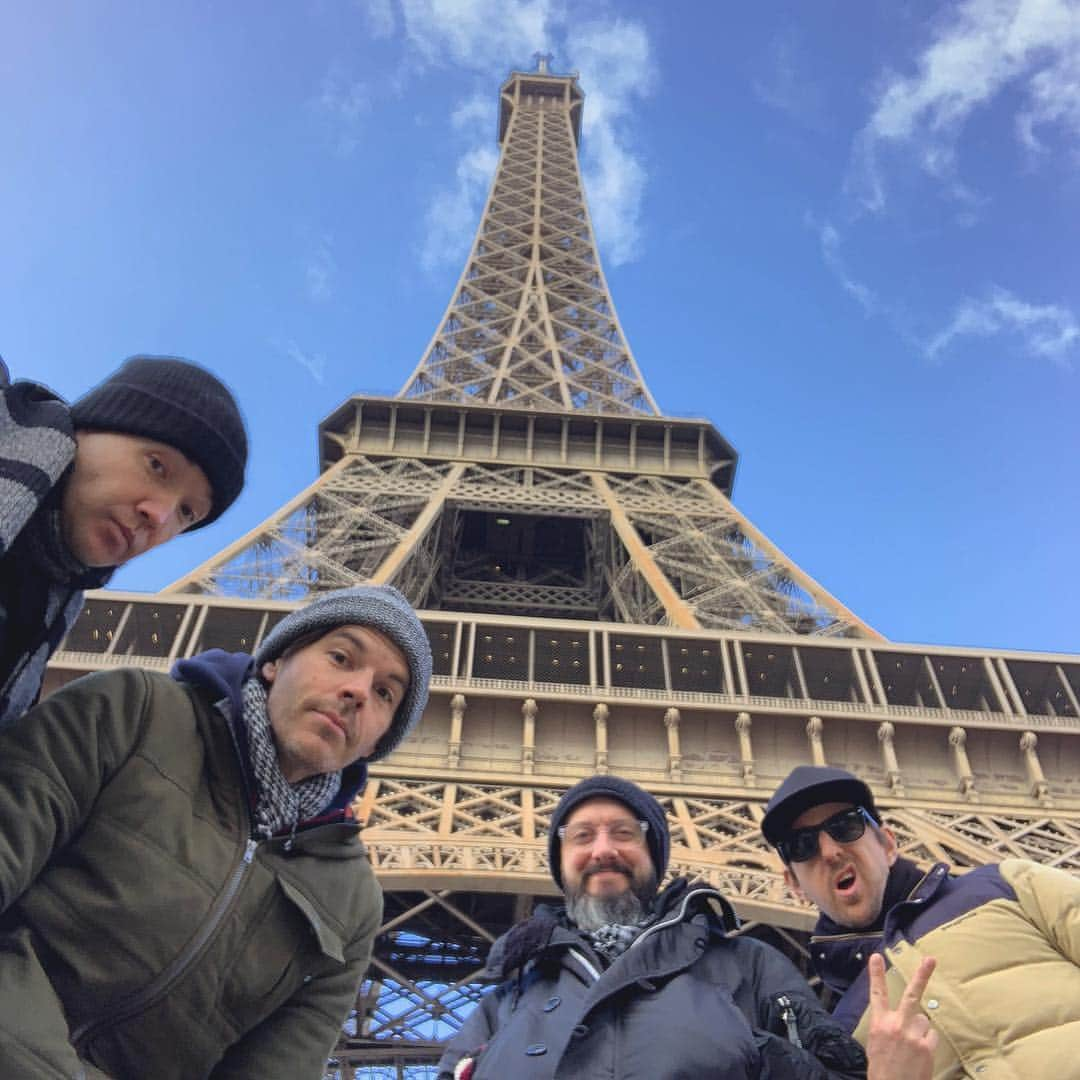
pixel 1004 997
pixel 626 981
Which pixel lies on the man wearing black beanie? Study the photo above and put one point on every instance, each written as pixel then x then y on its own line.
pixel 625 979
pixel 156 449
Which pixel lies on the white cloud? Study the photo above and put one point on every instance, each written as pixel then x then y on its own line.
pixel 319 270
pixel 345 102
pixel 613 57
pixel 475 112
pixel 616 66
pixel 1054 102
pixel 451 219
pixel 379 15
pixel 830 251
pixel 981 48
pixel 313 363
pixel 482 35
pixel 1048 331
pixel 782 85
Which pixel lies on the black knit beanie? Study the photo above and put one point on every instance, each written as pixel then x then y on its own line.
pixel 640 803
pixel 180 404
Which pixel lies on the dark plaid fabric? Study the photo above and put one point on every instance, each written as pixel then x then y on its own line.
pixel 40 583
pixel 613 939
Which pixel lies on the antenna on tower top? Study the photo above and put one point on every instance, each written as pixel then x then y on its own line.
pixel 542 61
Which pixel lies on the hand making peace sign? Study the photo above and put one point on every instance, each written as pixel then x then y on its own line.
pixel 901 1041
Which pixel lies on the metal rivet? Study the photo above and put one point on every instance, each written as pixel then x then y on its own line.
pixel 308 978
pixel 536 1049
pixel 932 1003
pixel 552 1003
pixel 858 956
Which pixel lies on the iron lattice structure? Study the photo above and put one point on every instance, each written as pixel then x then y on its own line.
pixel 595 603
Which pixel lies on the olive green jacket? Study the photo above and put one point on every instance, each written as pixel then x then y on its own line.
pixel 144 933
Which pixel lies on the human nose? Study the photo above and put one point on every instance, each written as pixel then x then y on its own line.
pixel 155 511
pixel 828 847
pixel 602 845
pixel 357 685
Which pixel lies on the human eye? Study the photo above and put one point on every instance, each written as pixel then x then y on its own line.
pixel 155 463
pixel 581 836
pixel 387 694
pixel 188 515
pixel 338 656
pixel 623 833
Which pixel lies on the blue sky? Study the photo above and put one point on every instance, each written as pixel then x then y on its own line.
pixel 845 233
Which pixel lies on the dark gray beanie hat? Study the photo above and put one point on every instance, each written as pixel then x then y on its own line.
pixel 640 803
pixel 180 404
pixel 382 608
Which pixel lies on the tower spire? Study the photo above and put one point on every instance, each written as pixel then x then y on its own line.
pixel 531 323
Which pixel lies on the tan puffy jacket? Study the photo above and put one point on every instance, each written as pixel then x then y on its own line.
pixel 1005 995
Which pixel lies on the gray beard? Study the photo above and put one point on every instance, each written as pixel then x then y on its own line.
pixel 628 908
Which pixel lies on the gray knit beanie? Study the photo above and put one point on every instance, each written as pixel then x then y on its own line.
pixel 180 404
pixel 640 803
pixel 382 608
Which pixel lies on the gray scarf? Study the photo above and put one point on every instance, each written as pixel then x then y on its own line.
pixel 280 805
pixel 40 581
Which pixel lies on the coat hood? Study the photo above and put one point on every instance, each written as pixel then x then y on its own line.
pixel 222 675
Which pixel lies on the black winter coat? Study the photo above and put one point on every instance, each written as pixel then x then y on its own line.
pixel 684 1002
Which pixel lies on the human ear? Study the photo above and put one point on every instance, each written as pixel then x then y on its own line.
pixel 792 883
pixel 269 671
pixel 892 848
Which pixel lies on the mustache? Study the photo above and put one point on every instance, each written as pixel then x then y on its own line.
pixel 607 868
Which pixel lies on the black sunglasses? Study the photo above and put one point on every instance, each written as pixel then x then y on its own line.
pixel 845 828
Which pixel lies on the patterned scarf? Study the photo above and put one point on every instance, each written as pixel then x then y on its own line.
pixel 40 582
pixel 613 939
pixel 280 805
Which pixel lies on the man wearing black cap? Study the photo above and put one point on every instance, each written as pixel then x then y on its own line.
pixel 183 889
pixel 156 449
pixel 1001 935
pixel 625 981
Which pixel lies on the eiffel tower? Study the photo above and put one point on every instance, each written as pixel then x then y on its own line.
pixel 595 603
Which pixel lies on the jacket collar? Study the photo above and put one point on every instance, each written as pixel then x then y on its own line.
pixel 549 929
pixel 839 953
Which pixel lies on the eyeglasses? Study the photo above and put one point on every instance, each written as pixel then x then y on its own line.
pixel 620 833
pixel 845 828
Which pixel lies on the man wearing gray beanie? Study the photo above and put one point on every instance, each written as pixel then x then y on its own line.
pixel 182 859
pixel 625 978
pixel 156 449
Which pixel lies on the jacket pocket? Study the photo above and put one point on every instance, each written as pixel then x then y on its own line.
pixel 330 943
pixel 278 949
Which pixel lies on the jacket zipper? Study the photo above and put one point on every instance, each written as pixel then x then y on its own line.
pixel 583 960
pixel 163 982
pixel 671 920
pixel 787 1014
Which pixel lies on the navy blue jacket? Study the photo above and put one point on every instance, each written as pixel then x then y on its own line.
pixel 684 1001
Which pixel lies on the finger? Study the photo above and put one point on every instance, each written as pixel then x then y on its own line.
pixel 913 992
pixel 879 992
